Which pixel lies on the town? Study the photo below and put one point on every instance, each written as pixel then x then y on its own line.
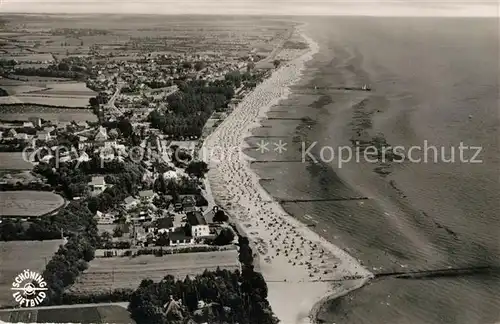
pixel 118 192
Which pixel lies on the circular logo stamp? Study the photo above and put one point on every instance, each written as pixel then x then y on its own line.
pixel 29 287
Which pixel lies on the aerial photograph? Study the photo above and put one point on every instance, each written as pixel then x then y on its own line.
pixel 250 161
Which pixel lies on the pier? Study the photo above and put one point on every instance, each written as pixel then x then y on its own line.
pixel 434 273
pixel 286 118
pixel 276 161
pixel 320 199
pixel 313 89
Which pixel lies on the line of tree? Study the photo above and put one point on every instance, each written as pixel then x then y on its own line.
pixel 20 186
pixel 191 106
pixel 176 186
pixel 73 218
pixel 68 262
pixel 224 297
pixel 231 297
pixel 52 72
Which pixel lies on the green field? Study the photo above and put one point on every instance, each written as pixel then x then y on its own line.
pixel 28 203
pixel 16 256
pixel 14 161
pixel 93 314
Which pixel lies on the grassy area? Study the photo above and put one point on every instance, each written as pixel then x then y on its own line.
pixel 14 161
pixel 96 314
pixel 113 273
pixel 28 203
pixel 17 256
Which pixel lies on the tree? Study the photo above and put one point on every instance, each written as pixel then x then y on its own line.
pixel 117 231
pixel 250 66
pixel 163 240
pixel 225 237
pixel 106 237
pixel 63 66
pixel 94 102
pixel 125 127
pixel 276 63
pixel 197 168
pixel 220 216
pixel 113 134
pixel 198 66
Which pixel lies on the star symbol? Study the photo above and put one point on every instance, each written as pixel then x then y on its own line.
pixel 280 147
pixel 262 147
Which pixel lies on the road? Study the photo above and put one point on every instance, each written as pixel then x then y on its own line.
pixel 110 106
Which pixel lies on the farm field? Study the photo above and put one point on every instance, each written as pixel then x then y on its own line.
pixel 47 99
pixel 39 57
pixel 16 256
pixel 83 314
pixel 56 115
pixel 122 272
pixel 14 161
pixel 46 92
pixel 28 203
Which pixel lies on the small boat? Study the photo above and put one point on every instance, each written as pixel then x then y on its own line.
pixel 366 88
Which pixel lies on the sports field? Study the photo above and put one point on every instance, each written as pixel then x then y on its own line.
pixel 29 203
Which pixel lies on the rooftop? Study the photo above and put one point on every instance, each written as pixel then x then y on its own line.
pixel 98 180
pixel 179 235
pixel 196 218
pixel 146 193
pixel 129 200
pixel 165 222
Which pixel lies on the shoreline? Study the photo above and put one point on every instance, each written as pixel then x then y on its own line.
pixel 295 274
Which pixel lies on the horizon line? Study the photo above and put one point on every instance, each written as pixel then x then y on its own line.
pixel 244 14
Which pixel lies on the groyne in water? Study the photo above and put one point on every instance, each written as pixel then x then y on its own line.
pixel 308 90
pixel 434 273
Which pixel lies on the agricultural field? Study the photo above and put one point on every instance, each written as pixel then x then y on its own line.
pixel 71 314
pixel 16 256
pixel 49 100
pixel 123 272
pixel 14 161
pixel 55 115
pixel 29 203
pixel 38 57
pixel 42 92
pixel 62 37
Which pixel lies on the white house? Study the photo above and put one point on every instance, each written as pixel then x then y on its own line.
pixel 35 121
pixel 130 202
pixel 83 143
pixel 200 231
pixel 147 196
pixel 97 185
pixel 104 218
pixel 43 136
pixel 101 136
pixel 21 136
pixel 109 143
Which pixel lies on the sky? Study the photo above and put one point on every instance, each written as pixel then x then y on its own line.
pixel 260 7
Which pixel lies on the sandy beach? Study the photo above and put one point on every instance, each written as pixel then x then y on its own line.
pixel 301 268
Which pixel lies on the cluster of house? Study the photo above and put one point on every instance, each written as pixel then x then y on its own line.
pixel 160 70
pixel 150 225
pixel 202 227
pixel 42 134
